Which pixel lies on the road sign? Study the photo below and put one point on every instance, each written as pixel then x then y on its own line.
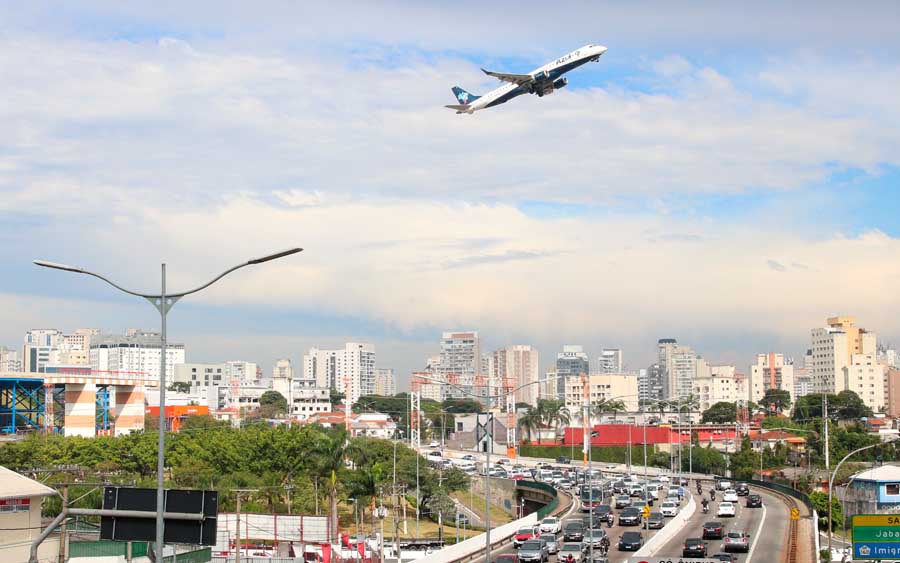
pixel 670 560
pixel 876 536
pixel 795 514
pixel 646 512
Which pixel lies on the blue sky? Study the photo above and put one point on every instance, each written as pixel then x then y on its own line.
pixel 724 175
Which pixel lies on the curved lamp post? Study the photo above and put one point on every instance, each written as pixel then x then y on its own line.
pixel 163 302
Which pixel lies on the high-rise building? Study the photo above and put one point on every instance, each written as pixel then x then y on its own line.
pixel 602 386
pixel 717 384
pixel 571 362
pixel 39 348
pixel 832 348
pixel 892 392
pixel 518 367
pixel 283 378
pixel 350 370
pixel 460 364
pixel 610 361
pixel 9 360
pixel 771 371
pixel 802 384
pixel 201 376
pixel 385 385
pixel 652 383
pixel 136 352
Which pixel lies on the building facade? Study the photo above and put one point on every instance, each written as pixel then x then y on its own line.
pixel 610 361
pixel 719 384
pixel 652 383
pixel 571 362
pixel 517 367
pixel 385 384
pixel 844 357
pixel 602 386
pixel 136 352
pixel 350 370
pixel 771 371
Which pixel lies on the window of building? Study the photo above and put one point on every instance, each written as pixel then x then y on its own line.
pixel 892 489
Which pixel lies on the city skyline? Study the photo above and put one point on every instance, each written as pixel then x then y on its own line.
pixel 715 179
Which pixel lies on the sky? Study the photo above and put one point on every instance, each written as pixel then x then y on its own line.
pixel 726 175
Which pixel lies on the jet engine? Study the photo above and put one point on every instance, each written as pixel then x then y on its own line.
pixel 560 83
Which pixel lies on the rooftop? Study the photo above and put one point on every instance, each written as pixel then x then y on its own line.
pixel 13 485
pixel 883 473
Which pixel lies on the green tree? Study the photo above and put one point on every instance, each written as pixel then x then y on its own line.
pixel 820 504
pixel 275 400
pixel 720 413
pixel 462 406
pixel 601 406
pixel 180 387
pixel 440 504
pixel 530 421
pixel 776 400
pixel 328 460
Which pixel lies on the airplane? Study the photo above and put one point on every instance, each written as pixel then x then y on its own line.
pixel 541 81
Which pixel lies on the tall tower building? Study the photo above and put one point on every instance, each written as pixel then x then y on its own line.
pixel 571 362
pixel 520 364
pixel 384 382
pixel 681 365
pixel 460 364
pixel 610 361
pixel 350 370
pixel 844 357
pixel 136 352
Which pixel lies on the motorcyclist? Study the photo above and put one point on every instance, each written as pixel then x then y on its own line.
pixel 712 494
pixel 699 488
pixel 570 558
pixel 610 519
pixel 705 504
pixel 604 545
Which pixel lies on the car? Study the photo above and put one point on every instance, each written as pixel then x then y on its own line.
pixel 469 457
pixel 754 501
pixel 574 531
pixel 639 504
pixel 723 485
pixel 434 444
pixel 502 461
pixel 610 466
pixel 630 541
pixel 630 517
pixel 620 488
pixel 602 511
pixel 589 521
pixel 663 478
pixel 736 541
pixel 669 508
pixel 541 464
pixel 653 491
pixel 565 484
pixel 434 455
pixel 723 557
pixel 635 490
pixel 551 541
pixel 622 501
pixel 726 509
pixel 743 489
pixel 523 535
pixel 534 550
pixel 550 525
pixel 506 558
pixel 573 550
pixel 712 531
pixel 693 547
pixel 730 496
pixel 593 537
pixel 656 521
pixel 564 459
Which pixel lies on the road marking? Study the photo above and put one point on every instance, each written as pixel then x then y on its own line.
pixel 756 536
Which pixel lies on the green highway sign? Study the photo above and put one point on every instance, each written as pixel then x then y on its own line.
pixel 876 536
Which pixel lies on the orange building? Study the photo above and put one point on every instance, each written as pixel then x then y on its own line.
pixel 175 414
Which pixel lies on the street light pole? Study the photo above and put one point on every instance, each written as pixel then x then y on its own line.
pixel 163 302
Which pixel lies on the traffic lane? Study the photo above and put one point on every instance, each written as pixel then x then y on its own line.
pixel 766 542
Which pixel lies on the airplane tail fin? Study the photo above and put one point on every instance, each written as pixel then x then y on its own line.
pixel 464 98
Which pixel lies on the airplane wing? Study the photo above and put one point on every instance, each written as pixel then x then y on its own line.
pixel 519 79
pixel 459 108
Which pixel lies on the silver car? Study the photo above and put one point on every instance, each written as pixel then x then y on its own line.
pixel 571 551
pixel 535 551
pixel 736 541
pixel 552 543
pixel 593 537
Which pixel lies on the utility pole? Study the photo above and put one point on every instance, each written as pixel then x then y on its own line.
pixel 62 527
pixel 237 534
pixel 825 422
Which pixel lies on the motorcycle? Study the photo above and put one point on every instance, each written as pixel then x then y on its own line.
pixel 705 508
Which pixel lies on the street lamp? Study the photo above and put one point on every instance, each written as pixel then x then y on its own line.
pixel 163 302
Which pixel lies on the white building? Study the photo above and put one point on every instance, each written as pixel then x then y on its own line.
pixel 9 360
pixel 718 384
pixel 571 362
pixel 460 364
pixel 865 377
pixel 20 518
pixel 201 375
pixel 771 371
pixel 136 352
pixel 681 365
pixel 517 367
pixel 602 386
pixel 350 371
pixel 844 357
pixel 307 401
pixel 385 385
pixel 610 361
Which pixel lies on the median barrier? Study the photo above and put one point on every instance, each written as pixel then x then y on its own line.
pixel 668 531
pixel 474 547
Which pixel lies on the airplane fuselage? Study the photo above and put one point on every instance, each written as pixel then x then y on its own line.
pixel 547 78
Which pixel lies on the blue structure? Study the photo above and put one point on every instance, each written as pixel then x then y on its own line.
pixel 22 405
pixel 102 410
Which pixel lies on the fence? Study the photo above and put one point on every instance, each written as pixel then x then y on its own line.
pixel 106 549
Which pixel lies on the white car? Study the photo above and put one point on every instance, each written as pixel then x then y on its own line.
pixel 730 496
pixel 669 508
pixel 726 509
pixel 663 478
pixel 434 444
pixel 550 525
pixel 434 455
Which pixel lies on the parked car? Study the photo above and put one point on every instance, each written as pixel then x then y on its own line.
pixel 736 541
pixel 630 517
pixel 573 550
pixel 622 501
pixel 550 525
pixel 552 543
pixel 693 547
pixel 534 551
pixel 656 520
pixel 712 531
pixel 669 508
pixel 630 541
pixel 726 509
pixel 730 496
pixel 523 535
pixel 574 531
pixel 743 489
pixel 564 459
pixel 754 501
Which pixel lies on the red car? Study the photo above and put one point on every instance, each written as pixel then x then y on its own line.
pixel 523 535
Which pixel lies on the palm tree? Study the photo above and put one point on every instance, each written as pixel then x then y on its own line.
pixel 530 421
pixel 328 459
pixel 607 405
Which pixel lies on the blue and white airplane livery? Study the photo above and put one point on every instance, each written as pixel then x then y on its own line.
pixel 541 81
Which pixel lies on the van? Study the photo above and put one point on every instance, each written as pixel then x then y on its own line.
pixel 546 475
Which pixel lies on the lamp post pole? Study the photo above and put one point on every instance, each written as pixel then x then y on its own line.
pixel 163 302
